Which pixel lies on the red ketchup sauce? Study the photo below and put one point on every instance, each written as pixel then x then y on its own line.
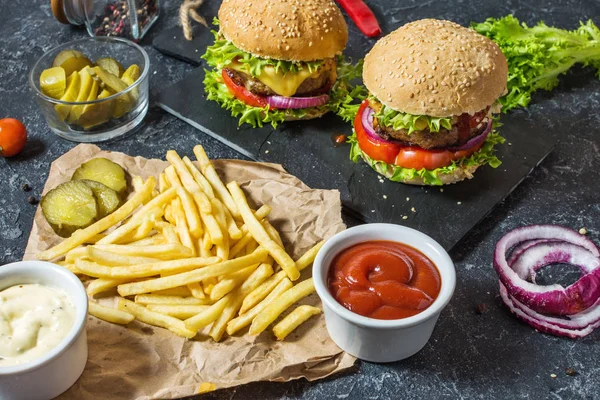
pixel 384 280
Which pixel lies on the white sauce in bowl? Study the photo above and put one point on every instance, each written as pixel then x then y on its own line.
pixel 33 320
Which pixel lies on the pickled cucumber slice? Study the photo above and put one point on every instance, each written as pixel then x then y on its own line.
pixel 111 65
pixel 53 82
pixel 71 61
pixel 73 84
pixel 69 206
pixel 110 81
pixel 106 198
pixel 130 76
pixel 99 113
pixel 104 171
pixel 88 90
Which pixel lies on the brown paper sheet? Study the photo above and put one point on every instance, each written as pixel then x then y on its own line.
pixel 140 361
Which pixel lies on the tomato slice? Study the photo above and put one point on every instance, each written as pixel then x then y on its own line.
pixel 241 93
pixel 377 150
pixel 405 156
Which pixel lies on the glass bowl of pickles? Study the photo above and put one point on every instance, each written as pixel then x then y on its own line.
pixel 93 89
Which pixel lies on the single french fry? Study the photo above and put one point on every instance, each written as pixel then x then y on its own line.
pixel 169 215
pixel 94 238
pixel 207 316
pixel 260 234
pixel 143 270
pixel 180 312
pixel 236 297
pixel 108 258
pixel 167 251
pixel 139 233
pixel 181 291
pixel 196 290
pixel 102 285
pixel 70 267
pixel 181 226
pixel 246 319
pixel 230 282
pixel 207 242
pixel 147 299
pixel 206 387
pixel 199 178
pixel 192 215
pixel 234 232
pixel 258 294
pixel 109 314
pixel 76 254
pixel 273 310
pixel 251 246
pixel 211 175
pixel 260 214
pixel 153 318
pixel 240 245
pixel 225 267
pixel 202 249
pixel 163 184
pixel 137 182
pixel 212 227
pixel 294 320
pixel 81 236
pixel 307 258
pixel 273 233
pixel 139 216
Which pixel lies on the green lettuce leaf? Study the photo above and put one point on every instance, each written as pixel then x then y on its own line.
pixel 223 52
pixel 342 94
pixel 538 55
pixel 398 120
pixel 485 155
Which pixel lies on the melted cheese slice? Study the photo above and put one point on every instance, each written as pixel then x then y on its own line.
pixel 283 84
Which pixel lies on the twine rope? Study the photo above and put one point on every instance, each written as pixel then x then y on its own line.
pixel 189 9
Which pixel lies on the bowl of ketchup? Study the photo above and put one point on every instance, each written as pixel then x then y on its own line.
pixel 383 287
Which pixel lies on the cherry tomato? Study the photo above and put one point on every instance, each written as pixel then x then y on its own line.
pixel 13 136
pixel 377 150
pixel 241 93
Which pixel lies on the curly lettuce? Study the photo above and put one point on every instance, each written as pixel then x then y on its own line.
pixel 397 120
pixel 342 94
pixel 484 156
pixel 538 55
pixel 223 52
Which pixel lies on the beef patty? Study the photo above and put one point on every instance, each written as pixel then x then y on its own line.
pixel 458 135
pixel 310 87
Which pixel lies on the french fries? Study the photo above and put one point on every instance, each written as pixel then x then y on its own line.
pixel 190 253
pixel 274 310
pixel 294 320
pixel 260 234
pixel 110 314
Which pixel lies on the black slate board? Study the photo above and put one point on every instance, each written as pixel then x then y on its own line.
pixel 306 150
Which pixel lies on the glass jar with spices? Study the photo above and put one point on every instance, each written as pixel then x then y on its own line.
pixel 129 19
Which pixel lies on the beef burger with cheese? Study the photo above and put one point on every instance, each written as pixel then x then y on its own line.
pixel 276 60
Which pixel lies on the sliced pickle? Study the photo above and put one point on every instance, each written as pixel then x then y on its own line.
pixel 69 206
pixel 73 85
pixel 110 81
pixel 130 76
pixel 53 82
pixel 106 198
pixel 88 90
pixel 99 113
pixel 111 65
pixel 104 171
pixel 71 61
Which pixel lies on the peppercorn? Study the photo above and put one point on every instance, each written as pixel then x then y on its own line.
pixel 32 200
pixel 26 187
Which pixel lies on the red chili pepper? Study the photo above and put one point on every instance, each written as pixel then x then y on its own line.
pixel 362 16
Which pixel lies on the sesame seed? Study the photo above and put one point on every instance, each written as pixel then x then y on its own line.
pixel 405 217
pixel 583 231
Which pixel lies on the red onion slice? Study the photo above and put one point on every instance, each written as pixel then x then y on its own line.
pixel 551 299
pixel 476 140
pixel 577 326
pixel 297 102
pixel 367 121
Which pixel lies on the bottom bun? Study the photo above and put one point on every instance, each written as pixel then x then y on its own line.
pixel 310 114
pixel 459 174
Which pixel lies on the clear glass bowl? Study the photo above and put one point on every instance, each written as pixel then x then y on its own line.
pixel 136 95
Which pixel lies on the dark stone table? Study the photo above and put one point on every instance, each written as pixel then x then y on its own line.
pixel 472 354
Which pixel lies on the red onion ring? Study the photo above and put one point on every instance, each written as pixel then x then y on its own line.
pixel 297 102
pixel 535 247
pixel 476 140
pixel 367 121
pixel 578 325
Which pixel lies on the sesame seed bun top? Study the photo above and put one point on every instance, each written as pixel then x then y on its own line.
pixel 291 30
pixel 436 68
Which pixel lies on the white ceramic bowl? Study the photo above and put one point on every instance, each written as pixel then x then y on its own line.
pixel 379 340
pixel 54 372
